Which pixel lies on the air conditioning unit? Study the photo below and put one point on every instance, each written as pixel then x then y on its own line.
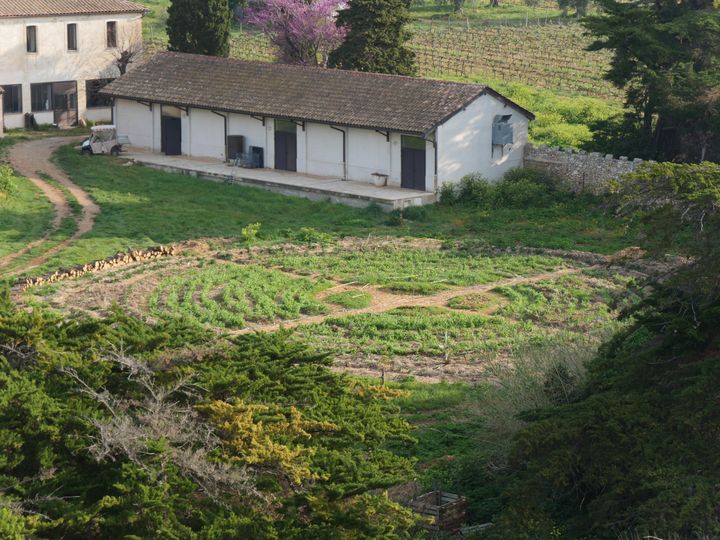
pixel 502 130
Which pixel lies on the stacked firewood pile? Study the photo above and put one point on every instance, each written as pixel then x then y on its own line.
pixel 120 259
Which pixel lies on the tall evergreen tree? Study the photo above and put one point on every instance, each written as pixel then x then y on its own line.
pixel 666 56
pixel 199 26
pixel 376 39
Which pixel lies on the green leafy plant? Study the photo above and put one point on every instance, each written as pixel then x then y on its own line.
pixel 7 182
pixel 351 299
pixel 310 236
pixel 250 232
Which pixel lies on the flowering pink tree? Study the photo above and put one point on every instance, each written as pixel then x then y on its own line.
pixel 303 30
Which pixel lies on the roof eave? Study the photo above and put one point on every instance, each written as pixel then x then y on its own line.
pixel 510 103
pixel 418 133
pixel 143 11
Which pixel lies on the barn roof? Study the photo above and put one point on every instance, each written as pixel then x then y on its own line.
pixel 50 8
pixel 301 93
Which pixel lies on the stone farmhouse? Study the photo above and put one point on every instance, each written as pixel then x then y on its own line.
pixel 415 133
pixel 55 55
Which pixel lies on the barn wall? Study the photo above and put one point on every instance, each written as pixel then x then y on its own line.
pixel 206 134
pixel 270 143
pixel 99 115
pixel 465 142
pixel 368 152
pixel 14 121
pixel 250 128
pixel 156 127
pixel 395 159
pixel 430 167
pixel 135 121
pixel 324 150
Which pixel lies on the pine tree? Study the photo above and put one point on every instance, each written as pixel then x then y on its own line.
pixel 666 57
pixel 199 26
pixel 376 39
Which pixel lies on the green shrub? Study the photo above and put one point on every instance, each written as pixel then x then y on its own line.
pixel 250 233
pixel 7 182
pixel 415 213
pixel 522 193
pixel 474 189
pixel 351 299
pixel 519 188
pixel 309 235
pixel 395 218
pixel 448 194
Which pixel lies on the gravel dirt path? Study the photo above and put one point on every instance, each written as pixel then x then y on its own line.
pixel 31 159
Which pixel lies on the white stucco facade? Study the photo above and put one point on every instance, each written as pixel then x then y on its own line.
pixel 54 62
pixel 464 142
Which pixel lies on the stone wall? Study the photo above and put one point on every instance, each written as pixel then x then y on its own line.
pixel 581 171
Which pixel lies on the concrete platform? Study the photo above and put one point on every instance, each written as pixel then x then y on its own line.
pixel 351 193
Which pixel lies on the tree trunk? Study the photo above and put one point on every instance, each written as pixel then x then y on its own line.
pixel 581 8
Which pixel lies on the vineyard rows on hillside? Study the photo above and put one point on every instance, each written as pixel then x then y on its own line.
pixel 547 56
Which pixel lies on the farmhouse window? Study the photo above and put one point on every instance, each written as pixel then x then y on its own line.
pixel 12 99
pixel 31 39
pixel 111 34
pixel 72 37
pixel 41 97
pixel 92 88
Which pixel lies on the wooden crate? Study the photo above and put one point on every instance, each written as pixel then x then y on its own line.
pixel 445 510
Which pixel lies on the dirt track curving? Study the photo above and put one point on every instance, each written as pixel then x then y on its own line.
pixel 31 159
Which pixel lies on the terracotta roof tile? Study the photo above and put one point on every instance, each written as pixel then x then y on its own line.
pixel 344 98
pixel 49 8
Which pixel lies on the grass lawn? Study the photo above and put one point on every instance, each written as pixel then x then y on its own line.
pixel 143 207
pixel 25 215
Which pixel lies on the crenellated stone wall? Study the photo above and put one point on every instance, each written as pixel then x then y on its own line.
pixel 581 171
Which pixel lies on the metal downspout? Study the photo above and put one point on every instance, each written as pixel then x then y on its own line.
pixel 224 117
pixel 345 171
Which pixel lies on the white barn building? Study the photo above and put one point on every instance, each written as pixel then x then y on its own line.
pixel 55 55
pixel 417 133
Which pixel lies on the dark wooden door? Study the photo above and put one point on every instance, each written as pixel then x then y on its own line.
pixel 171 136
pixel 65 103
pixel 413 169
pixel 285 151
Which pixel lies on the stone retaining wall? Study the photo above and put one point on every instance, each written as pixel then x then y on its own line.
pixel 581 171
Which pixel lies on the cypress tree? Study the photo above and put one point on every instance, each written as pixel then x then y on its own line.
pixel 376 39
pixel 199 26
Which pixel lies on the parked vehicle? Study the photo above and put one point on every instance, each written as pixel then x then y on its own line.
pixel 104 140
